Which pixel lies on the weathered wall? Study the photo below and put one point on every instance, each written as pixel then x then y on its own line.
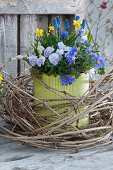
pixel 40 6
pixel 100 22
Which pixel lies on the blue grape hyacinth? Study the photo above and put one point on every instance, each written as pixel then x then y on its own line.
pixel 67 26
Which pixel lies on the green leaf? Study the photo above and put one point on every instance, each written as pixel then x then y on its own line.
pixel 1 87
pixel 101 71
pixel 3 95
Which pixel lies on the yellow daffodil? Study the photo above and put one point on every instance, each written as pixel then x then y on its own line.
pixel 77 24
pixel 1 78
pixel 51 28
pixel 39 32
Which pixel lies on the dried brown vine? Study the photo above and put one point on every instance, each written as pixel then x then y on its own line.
pixel 56 129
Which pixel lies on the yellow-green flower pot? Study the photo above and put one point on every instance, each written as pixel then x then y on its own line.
pixel 77 89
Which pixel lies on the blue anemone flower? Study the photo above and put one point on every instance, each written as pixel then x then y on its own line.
pixel 93 58
pixel 71 60
pixel 89 50
pixel 81 40
pixel 64 34
pixel 73 43
pixel 99 62
pixel 70 56
pixel 67 79
pixel 80 32
pixel 67 26
pixel 72 51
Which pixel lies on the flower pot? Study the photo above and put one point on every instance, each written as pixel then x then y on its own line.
pixel 77 89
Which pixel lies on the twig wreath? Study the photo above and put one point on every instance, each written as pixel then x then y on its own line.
pixel 55 130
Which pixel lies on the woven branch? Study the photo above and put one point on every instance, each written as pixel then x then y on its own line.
pixel 58 130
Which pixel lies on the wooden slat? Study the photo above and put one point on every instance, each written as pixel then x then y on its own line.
pixel 40 6
pixel 28 24
pixel 8 42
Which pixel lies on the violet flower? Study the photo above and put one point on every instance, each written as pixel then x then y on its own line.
pixel 48 51
pixel 62 46
pixel 60 53
pixel 33 60
pixel 54 58
pixel 40 61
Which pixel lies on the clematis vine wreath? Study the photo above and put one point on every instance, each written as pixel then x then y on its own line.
pixel 57 52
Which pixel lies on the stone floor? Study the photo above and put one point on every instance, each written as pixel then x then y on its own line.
pixel 15 156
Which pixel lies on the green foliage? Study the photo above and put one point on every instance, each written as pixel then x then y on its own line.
pixel 89 36
pixel 101 71
pixel 2 94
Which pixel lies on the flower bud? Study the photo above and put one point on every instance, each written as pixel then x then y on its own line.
pixel 19 57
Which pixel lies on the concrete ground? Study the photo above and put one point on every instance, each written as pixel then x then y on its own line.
pixel 15 156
